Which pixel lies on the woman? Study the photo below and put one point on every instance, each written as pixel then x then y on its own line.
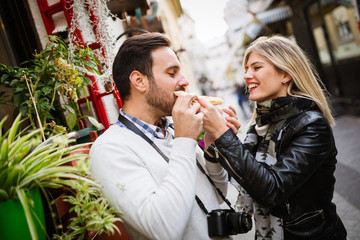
pixel 287 160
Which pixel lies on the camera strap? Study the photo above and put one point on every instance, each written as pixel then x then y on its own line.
pixel 131 126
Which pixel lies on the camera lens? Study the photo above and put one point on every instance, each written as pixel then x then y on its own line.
pixel 246 222
pixel 224 222
pixel 240 222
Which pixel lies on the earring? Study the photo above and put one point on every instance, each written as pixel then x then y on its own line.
pixel 284 81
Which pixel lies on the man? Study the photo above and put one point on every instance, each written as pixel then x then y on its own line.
pixel 156 197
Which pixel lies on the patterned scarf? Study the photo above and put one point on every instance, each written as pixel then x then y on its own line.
pixel 260 140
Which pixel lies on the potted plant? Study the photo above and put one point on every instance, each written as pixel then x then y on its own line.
pixel 29 166
pixel 93 215
pixel 50 84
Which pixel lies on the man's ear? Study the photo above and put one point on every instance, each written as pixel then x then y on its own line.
pixel 138 81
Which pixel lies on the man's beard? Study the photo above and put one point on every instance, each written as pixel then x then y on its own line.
pixel 159 99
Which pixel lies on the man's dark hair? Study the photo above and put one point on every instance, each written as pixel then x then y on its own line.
pixel 135 54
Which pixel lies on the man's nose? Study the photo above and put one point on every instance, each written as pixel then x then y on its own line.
pixel 183 81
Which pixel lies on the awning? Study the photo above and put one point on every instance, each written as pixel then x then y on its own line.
pixel 253 29
pixel 128 6
pixel 256 6
pixel 266 17
pixel 346 3
pixel 274 15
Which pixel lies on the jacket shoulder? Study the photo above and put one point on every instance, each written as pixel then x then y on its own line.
pixel 304 119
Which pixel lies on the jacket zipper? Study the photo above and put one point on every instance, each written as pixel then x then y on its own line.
pixel 288 206
pixel 218 154
pixel 311 215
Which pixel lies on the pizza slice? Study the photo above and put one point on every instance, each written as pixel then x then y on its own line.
pixel 212 100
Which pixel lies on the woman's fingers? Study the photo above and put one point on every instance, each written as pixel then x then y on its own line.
pixel 230 111
pixel 213 122
pixel 231 120
pixel 232 127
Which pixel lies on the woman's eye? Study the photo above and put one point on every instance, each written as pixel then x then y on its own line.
pixel 256 68
pixel 172 74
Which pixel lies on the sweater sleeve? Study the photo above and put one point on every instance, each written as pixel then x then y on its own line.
pixel 158 209
pixel 219 176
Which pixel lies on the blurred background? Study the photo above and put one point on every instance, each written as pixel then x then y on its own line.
pixel 209 38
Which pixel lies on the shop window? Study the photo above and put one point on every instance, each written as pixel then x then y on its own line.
pixel 336 35
pixel 320 41
pixel 339 26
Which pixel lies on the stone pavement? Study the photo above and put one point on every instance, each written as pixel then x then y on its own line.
pixel 347 186
pixel 347 173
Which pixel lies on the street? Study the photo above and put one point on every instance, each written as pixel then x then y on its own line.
pixel 347 173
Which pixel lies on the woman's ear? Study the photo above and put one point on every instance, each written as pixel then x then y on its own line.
pixel 286 77
pixel 138 81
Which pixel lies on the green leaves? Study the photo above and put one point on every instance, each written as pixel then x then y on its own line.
pixel 4 150
pixel 93 212
pixel 4 77
pixel 52 77
pixel 94 122
pixel 27 163
pixel 71 120
pixel 46 90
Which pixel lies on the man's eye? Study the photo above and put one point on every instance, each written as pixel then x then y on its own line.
pixel 172 74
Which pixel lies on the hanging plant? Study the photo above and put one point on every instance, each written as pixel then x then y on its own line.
pixel 50 84
pixel 95 12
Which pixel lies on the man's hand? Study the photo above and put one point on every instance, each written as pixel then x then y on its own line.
pixel 187 117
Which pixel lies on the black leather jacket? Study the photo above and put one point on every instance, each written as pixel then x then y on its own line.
pixel 299 187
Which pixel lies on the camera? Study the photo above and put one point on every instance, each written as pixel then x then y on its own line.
pixel 223 222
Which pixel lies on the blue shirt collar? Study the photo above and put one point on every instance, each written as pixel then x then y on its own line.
pixel 151 131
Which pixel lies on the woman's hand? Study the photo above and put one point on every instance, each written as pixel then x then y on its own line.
pixel 231 120
pixel 213 123
pixel 208 140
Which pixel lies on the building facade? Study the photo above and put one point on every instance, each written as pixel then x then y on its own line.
pixel 101 25
pixel 327 30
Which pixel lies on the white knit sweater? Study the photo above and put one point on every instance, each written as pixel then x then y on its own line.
pixel 157 198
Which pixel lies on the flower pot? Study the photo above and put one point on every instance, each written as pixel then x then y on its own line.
pixel 13 224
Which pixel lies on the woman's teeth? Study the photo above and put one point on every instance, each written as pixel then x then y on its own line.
pixel 252 86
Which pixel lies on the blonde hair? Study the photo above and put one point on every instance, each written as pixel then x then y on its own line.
pixel 287 56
